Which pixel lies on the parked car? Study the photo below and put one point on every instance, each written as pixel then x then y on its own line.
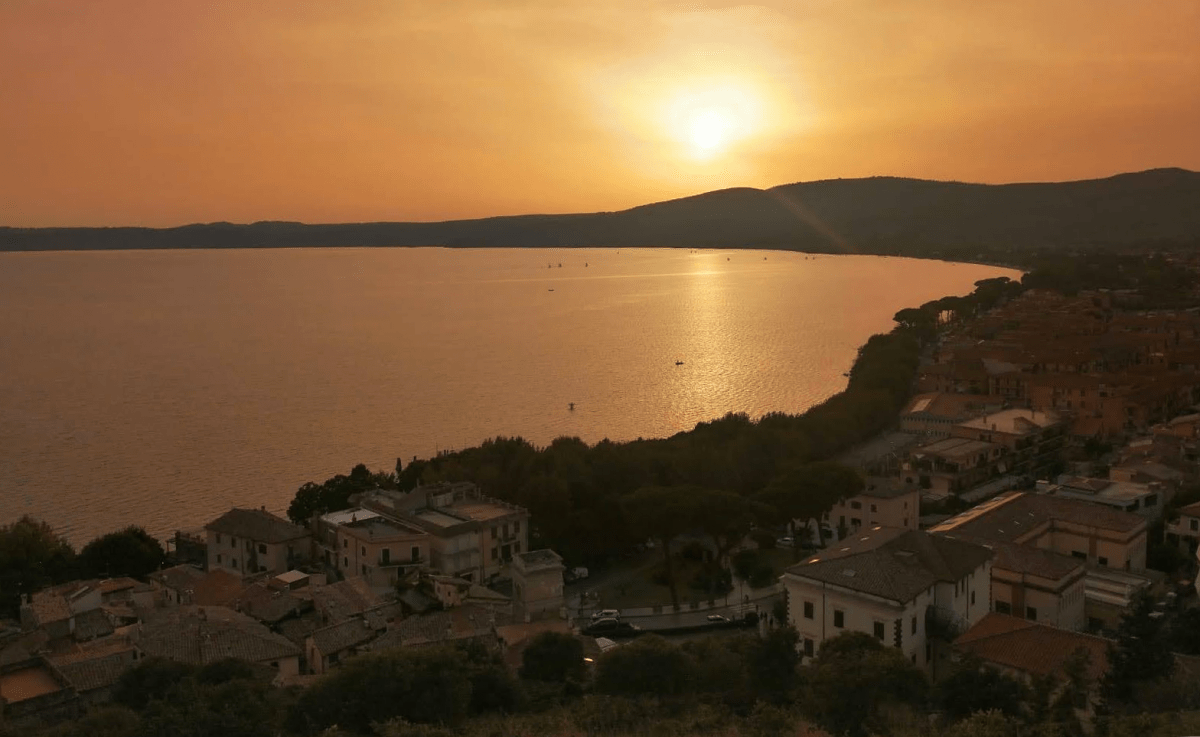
pixel 611 628
pixel 718 619
pixel 784 542
pixel 606 614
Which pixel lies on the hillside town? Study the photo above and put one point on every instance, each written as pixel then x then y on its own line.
pixel 1038 487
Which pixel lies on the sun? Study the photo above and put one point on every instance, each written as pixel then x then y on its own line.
pixel 709 130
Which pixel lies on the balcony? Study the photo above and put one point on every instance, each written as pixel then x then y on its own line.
pixel 401 562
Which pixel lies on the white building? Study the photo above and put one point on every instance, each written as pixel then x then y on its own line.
pixel 894 584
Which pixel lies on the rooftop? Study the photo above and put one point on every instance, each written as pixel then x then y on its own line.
pixel 1030 647
pixel 200 635
pixel 879 487
pixel 383 528
pixel 346 516
pixel 539 559
pixel 893 563
pixel 955 448
pixel 1013 515
pixel 29 682
pixel 258 525
pixel 1013 421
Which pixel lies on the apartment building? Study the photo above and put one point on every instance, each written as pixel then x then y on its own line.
pixel 886 502
pixel 250 541
pixel 900 586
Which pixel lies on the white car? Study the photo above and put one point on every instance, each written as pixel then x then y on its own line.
pixel 606 614
pixel 718 619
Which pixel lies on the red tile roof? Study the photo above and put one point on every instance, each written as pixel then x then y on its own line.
pixel 1030 647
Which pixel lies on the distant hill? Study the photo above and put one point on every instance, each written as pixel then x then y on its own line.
pixel 875 215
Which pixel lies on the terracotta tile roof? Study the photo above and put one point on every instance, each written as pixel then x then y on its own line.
pixel 271 605
pixel 199 635
pixel 344 599
pixel 258 525
pixel 95 673
pixel 894 563
pixel 1031 647
pixel 217 588
pixel 344 635
pixel 178 578
pixel 29 682
pixel 92 624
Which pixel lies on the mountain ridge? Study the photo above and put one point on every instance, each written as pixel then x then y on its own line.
pixel 880 214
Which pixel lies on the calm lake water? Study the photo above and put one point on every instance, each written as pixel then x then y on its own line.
pixel 161 388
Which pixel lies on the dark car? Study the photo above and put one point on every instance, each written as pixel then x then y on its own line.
pixel 608 627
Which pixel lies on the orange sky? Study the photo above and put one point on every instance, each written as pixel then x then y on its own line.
pixel 155 112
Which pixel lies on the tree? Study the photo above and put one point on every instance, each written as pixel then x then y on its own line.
pixel 150 680
pixel 663 513
pixel 854 677
pixel 725 517
pixel 650 665
pixel 975 687
pixel 553 656
pixel 1138 655
pixel 334 494
pixel 772 663
pixel 808 492
pixel 421 685
pixel 130 552
pixel 31 556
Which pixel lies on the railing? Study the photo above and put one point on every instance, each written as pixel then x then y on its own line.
pixel 396 562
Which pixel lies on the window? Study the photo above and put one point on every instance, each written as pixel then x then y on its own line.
pixel 1102 560
pixel 914 658
pixel 249 546
pixel 495 554
pixel 839 618
pixel 234 561
pixel 364 570
pixel 856 505
pixel 416 553
pixel 364 550
pixel 855 522
pixel 517 547
pixel 808 610
pixel 874 508
pixel 262 548
pixel 972 598
pixel 493 532
pixel 914 627
pixel 1079 554
pixel 385 556
pixel 1031 613
pixel 233 542
pixel 1194 525
pixel 878 630
pixel 1150 501
pixel 1003 607
pixel 345 543
pixel 808 647
pixel 219 535
pixel 506 529
pixel 345 562
pixel 517 527
pixel 218 558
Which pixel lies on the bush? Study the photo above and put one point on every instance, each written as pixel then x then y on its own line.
pixel 693 551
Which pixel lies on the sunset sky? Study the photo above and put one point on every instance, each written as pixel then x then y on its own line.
pixel 164 112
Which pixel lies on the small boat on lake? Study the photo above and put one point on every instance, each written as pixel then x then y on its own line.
pixel 679 363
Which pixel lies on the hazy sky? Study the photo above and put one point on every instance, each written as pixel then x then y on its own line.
pixel 162 112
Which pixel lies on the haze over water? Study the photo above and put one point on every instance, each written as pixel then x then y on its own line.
pixel 161 388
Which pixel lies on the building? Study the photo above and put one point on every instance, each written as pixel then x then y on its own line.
pixel 380 550
pixel 1110 544
pixel 472 536
pixel 248 541
pixel 904 587
pixel 538 584
pixel 1029 650
pixel 200 635
pixel 933 414
pixel 952 465
pixel 1146 500
pixel 1033 439
pixel 328 646
pixel 885 502
pixel 1184 528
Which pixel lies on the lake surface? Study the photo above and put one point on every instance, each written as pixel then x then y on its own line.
pixel 161 388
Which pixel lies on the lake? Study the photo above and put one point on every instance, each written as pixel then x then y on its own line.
pixel 161 388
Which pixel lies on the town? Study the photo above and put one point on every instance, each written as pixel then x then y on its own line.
pixel 1031 513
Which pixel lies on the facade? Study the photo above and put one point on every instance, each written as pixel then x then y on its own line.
pixel 901 586
pixel 884 502
pixel 933 414
pixel 538 584
pixel 951 465
pixel 472 536
pixel 1033 439
pixel 249 541
pixel 380 550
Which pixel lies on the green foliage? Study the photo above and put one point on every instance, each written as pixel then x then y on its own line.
pixel 772 663
pixel 425 685
pixel 553 656
pixel 649 665
pixel 129 552
pixel 334 494
pixel 974 687
pixel 1139 655
pixel 31 556
pixel 854 678
pixel 150 680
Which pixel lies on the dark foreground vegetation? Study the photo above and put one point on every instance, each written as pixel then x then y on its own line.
pixel 731 686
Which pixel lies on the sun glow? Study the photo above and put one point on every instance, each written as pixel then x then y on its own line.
pixel 710 120
pixel 709 130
